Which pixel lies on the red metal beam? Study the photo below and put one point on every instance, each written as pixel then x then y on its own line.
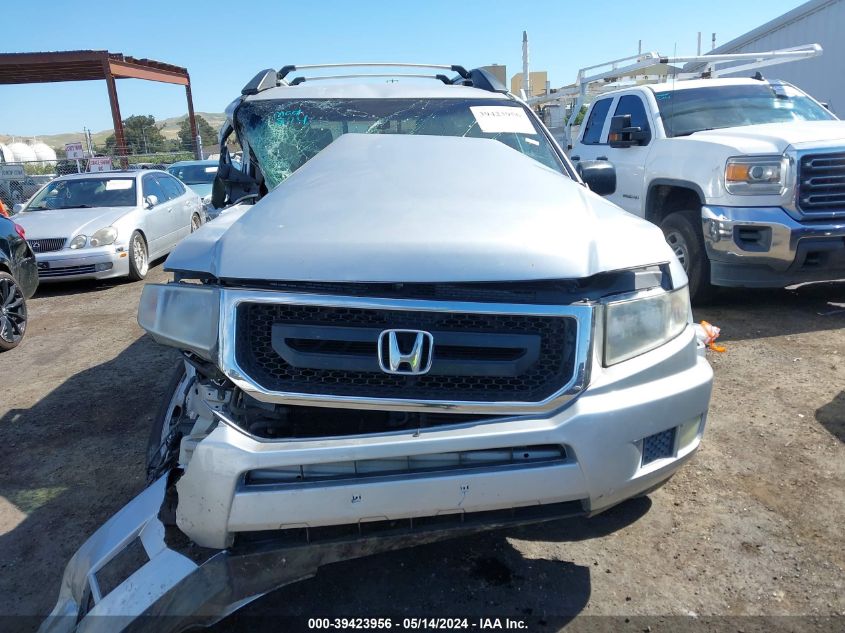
pixel 137 71
pixel 119 138
pixel 192 121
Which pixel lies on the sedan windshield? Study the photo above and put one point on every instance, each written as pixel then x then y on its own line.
pixel 693 110
pixel 284 134
pixel 194 174
pixel 85 193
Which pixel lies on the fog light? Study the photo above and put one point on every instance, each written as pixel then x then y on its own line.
pixel 688 431
pixel 101 267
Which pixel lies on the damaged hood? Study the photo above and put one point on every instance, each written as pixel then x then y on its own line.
pixel 401 208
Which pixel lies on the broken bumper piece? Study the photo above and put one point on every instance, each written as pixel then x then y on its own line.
pixel 171 587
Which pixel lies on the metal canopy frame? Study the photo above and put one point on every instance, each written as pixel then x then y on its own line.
pixel 88 65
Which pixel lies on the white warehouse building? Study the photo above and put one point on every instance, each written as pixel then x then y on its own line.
pixel 815 22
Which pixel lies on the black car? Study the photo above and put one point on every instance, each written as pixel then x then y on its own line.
pixel 18 281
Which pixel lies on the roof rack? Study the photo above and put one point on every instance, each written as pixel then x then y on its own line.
pixel 650 68
pixel 269 78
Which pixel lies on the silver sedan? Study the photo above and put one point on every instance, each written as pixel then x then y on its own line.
pixel 110 224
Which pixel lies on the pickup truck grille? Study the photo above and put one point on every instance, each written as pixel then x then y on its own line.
pixel 477 357
pixel 821 183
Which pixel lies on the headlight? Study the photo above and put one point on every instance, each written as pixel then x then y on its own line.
pixel 78 242
pixel 104 237
pixel 184 316
pixel 635 326
pixel 756 175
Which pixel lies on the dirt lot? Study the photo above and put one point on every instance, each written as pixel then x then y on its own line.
pixel 753 526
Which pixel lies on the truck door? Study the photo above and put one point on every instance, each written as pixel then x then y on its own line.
pixel 630 160
pixel 592 139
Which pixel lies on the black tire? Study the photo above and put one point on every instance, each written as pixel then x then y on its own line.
pixel 171 410
pixel 683 233
pixel 13 316
pixel 196 222
pixel 139 257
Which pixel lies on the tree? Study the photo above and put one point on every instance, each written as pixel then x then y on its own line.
pixel 141 136
pixel 206 132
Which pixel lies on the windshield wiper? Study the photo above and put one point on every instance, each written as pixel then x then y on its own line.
pixel 78 206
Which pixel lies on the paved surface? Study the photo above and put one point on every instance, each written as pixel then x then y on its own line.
pixel 752 526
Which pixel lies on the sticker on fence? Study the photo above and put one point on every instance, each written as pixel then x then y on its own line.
pixel 496 119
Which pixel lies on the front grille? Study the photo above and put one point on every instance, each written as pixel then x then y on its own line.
pixel 67 271
pixel 821 183
pixel 47 245
pixel 477 357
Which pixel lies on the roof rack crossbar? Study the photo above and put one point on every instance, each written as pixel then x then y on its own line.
pixel 286 70
pixel 443 78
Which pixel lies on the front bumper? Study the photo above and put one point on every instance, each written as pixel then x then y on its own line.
pixel 766 247
pixel 90 263
pixel 602 430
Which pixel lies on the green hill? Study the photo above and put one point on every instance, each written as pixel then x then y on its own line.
pixel 169 128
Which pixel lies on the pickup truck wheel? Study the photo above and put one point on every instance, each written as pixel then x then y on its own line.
pixel 683 234
pixel 163 444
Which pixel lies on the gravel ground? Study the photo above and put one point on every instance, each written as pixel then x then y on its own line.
pixel 751 527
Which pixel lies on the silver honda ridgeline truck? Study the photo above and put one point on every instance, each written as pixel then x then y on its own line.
pixel 414 309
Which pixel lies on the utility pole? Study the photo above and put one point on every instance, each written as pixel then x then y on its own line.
pixel 526 79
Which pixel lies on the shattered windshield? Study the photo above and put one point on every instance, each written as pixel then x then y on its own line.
pixel 693 110
pixel 285 133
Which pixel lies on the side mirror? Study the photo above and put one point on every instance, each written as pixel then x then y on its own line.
pixel 150 201
pixel 598 175
pixel 623 134
pixel 17 208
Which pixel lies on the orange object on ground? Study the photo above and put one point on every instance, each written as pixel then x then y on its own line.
pixel 3 211
pixel 710 334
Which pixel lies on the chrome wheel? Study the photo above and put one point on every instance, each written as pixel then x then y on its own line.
pixel 12 312
pixel 195 223
pixel 139 255
pixel 680 247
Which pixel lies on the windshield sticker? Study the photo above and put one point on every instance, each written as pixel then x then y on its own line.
pixel 211 170
pixel 117 185
pixel 531 141
pixel 662 96
pixel 495 119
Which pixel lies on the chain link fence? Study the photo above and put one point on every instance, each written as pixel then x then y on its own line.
pixel 19 181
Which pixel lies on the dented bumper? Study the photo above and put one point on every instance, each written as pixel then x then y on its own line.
pixel 181 586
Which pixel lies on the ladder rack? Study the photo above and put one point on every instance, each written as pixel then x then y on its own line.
pixel 651 68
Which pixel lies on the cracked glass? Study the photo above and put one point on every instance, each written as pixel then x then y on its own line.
pixel 285 133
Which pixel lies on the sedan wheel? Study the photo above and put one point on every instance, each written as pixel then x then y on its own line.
pixel 138 257
pixel 195 223
pixel 12 312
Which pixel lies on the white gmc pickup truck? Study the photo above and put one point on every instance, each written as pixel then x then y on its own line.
pixel 746 177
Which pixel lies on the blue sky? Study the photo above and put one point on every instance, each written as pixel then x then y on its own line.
pixel 223 44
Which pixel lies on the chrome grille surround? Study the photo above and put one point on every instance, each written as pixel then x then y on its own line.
pixel 581 314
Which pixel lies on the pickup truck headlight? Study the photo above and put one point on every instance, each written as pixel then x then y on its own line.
pixel 185 316
pixel 756 175
pixel 635 326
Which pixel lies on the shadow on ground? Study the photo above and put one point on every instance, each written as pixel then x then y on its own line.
pixel 478 576
pixel 746 313
pixel 832 416
pixel 68 463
